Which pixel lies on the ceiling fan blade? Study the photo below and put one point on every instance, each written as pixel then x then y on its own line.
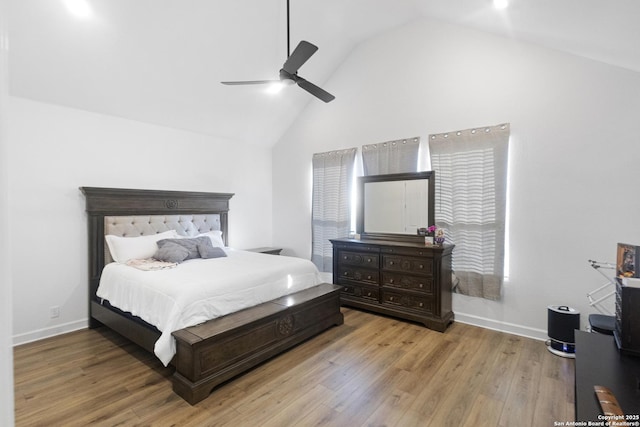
pixel 300 55
pixel 250 82
pixel 315 90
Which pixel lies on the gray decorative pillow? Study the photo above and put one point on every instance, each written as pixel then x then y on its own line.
pixel 171 252
pixel 207 250
pixel 190 245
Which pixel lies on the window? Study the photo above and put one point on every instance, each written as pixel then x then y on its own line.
pixel 471 190
pixel 331 203
pixel 391 156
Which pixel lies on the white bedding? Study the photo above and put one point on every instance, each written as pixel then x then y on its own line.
pixel 202 289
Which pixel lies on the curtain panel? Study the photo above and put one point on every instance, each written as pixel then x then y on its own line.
pixel 391 157
pixel 471 189
pixel 331 203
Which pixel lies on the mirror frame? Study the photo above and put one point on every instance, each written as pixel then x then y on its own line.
pixel 362 180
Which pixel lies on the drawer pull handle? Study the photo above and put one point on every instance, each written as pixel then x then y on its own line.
pixel 390 298
pixel 346 257
pixel 390 262
pixel 368 294
pixel 390 280
pixel 420 285
pixel 368 259
pixel 368 277
pixel 420 304
pixel 346 273
pixel 421 266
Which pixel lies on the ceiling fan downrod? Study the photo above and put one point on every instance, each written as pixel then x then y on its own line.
pixel 289 72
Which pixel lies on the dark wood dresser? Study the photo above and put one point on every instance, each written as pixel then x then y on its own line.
pixel 402 279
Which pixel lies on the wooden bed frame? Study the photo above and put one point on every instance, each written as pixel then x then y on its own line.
pixel 220 349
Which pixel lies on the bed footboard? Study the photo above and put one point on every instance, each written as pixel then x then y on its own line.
pixel 218 350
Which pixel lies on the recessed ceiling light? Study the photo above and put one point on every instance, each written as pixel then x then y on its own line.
pixel 79 8
pixel 500 4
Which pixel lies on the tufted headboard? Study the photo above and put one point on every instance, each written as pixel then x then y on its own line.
pixel 143 225
pixel 126 212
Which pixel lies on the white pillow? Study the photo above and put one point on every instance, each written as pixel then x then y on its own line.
pixel 215 236
pixel 125 248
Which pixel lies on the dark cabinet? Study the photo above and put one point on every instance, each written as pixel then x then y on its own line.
pixel 598 362
pixel 402 279
pixel 627 320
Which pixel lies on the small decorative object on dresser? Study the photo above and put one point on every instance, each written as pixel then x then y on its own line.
pixel 427 232
pixel 404 279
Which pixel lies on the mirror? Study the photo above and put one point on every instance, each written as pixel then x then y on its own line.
pixel 394 206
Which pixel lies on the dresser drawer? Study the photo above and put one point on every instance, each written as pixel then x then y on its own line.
pixel 362 259
pixel 413 302
pixel 417 252
pixel 363 275
pixel 415 283
pixel 408 264
pixel 363 292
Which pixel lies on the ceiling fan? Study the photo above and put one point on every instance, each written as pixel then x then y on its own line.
pixel 289 71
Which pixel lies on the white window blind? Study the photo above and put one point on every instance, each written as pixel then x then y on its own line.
pixel 391 156
pixel 471 189
pixel 331 203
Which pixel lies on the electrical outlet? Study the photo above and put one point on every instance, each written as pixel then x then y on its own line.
pixel 54 312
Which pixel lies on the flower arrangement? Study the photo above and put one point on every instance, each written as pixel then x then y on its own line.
pixel 432 235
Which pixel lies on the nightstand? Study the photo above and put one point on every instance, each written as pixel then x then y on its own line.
pixel 267 250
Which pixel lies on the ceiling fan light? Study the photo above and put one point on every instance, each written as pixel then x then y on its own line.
pixel 276 87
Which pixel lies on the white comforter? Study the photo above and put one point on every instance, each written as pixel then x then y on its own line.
pixel 202 289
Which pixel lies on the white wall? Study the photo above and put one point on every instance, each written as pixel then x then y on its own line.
pixel 6 350
pixel 55 150
pixel 573 156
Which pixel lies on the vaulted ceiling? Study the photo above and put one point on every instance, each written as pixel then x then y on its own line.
pixel 161 61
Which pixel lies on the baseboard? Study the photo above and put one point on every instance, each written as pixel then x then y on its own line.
pixel 511 328
pixel 49 332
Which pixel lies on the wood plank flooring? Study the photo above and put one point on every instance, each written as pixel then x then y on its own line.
pixel 371 371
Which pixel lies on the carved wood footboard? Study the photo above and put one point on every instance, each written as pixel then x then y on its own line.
pixel 218 350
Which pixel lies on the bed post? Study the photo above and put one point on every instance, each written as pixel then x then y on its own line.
pixel 95 225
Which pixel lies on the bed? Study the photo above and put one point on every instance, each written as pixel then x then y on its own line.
pixel 212 351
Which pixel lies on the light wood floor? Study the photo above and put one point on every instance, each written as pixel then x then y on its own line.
pixel 371 371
